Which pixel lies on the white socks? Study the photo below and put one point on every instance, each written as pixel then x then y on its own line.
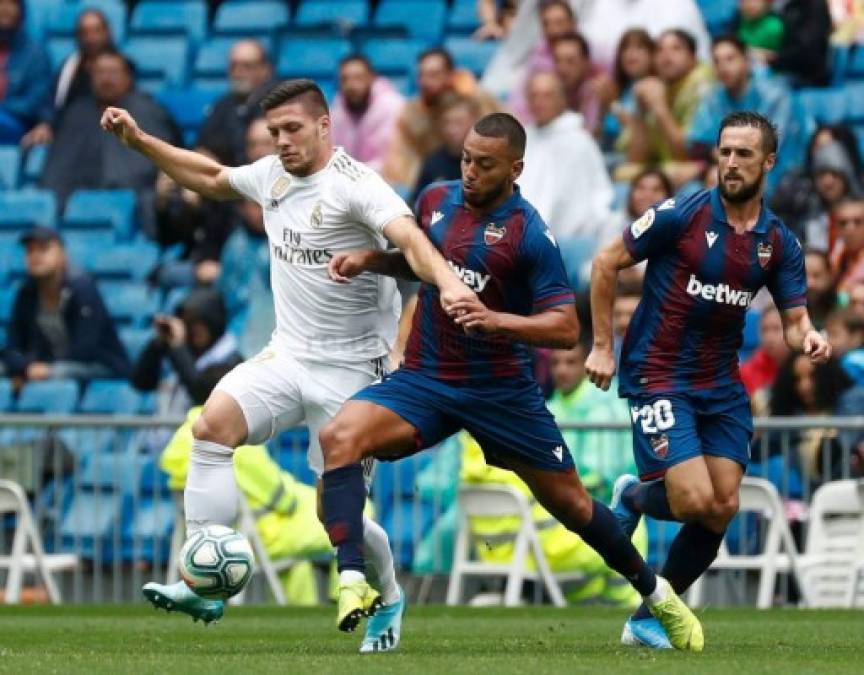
pixel 211 494
pixel 376 545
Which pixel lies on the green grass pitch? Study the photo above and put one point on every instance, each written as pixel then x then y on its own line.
pixel 136 639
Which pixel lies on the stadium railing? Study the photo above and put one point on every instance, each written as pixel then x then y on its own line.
pixel 97 491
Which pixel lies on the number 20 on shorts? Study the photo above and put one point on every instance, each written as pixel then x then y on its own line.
pixel 654 417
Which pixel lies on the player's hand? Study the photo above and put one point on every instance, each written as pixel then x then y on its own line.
pixel 455 293
pixel 345 266
pixel 475 317
pixel 600 367
pixel 816 347
pixel 119 122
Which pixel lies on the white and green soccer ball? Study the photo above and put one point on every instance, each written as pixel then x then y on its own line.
pixel 216 562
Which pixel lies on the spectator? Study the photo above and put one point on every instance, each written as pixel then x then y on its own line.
pixel 583 81
pixel 666 106
pixel 418 130
pixel 647 188
pixel 634 59
pixel 59 325
pixel 457 118
pixel 856 297
pixel 804 196
pixel 575 198
pixel 821 292
pixel 92 36
pixel 760 29
pixel 496 18
pixel 192 341
pixel 847 256
pixel 805 54
pixel 365 111
pixel 739 89
pixel 626 301
pixel 760 370
pixel 846 333
pixel 250 77
pixel 25 75
pixel 245 278
pixel 82 156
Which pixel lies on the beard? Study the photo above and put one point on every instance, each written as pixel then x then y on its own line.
pixel 480 202
pixel 745 193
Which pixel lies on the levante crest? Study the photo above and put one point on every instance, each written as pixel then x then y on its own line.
pixel 764 251
pixel 494 233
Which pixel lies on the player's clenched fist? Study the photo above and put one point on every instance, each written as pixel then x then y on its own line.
pixel 816 347
pixel 600 367
pixel 344 266
pixel 120 123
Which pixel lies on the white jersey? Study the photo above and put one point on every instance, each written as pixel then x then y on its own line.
pixel 345 206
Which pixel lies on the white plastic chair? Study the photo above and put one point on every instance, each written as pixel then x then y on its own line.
pixel 858 562
pixel 13 500
pixel 500 501
pixel 778 554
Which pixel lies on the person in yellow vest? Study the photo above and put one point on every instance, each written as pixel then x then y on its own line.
pixel 285 509
pixel 565 550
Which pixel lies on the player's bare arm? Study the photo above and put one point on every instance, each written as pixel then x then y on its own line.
pixel 346 265
pixel 556 327
pixel 426 262
pixel 800 334
pixel 600 365
pixel 192 170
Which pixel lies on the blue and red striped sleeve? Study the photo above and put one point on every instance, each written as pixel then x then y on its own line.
pixel 788 283
pixel 654 233
pixel 541 258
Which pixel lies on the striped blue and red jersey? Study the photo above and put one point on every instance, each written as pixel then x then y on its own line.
pixel 509 258
pixel 700 280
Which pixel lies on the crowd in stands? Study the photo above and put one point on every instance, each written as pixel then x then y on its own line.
pixel 621 100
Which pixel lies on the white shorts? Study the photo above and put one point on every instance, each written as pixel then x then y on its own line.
pixel 277 392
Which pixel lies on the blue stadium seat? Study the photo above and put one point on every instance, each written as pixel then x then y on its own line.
pixel 147 532
pixel 855 63
pixel 470 54
pixel 110 397
pixel 129 303
pixel 422 19
pixel 125 261
pixel 102 209
pixel 854 98
pixel 824 105
pixel 162 17
pixel 10 163
pixel 189 107
pixel 394 56
pixel 8 293
pixel 85 247
pixel 34 163
pixel 90 521
pixel 61 19
pixel 12 264
pixel 718 15
pixel 321 12
pixel 5 394
pixel 26 208
pixel 161 61
pixel 311 57
pixel 48 396
pixel 60 48
pixel 253 17
pixel 134 340
pixel 750 337
pixel 463 18
pixel 212 58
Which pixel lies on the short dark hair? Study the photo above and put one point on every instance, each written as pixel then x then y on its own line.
pixel 312 97
pixel 563 4
pixel 685 37
pixel 575 38
pixel 732 40
pixel 659 174
pixel 749 118
pixel 360 58
pixel 437 51
pixel 503 125
pixel 113 53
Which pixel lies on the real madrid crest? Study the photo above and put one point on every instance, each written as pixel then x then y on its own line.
pixel 317 216
pixel 763 252
pixel 494 233
pixel 279 190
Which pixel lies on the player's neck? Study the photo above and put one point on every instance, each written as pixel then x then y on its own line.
pixel 320 163
pixel 491 206
pixel 743 216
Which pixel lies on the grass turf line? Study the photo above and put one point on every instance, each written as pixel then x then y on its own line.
pixel 135 639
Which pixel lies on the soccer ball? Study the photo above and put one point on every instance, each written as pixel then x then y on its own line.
pixel 216 562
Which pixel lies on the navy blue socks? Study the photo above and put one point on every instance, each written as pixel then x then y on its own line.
pixel 343 496
pixel 649 499
pixel 605 536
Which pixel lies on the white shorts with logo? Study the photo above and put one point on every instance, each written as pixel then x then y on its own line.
pixel 277 392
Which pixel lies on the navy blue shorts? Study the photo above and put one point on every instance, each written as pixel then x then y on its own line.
pixel 671 428
pixel 508 418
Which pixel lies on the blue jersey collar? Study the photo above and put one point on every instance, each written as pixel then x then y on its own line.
pixel 718 213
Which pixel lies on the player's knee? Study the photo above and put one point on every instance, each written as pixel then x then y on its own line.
pixel 725 507
pixel 692 503
pixel 340 445
pixel 205 429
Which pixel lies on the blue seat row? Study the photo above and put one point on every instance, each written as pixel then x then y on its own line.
pixel 64 397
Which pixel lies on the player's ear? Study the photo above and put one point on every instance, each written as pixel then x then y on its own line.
pixel 323 126
pixel 770 161
pixel 517 168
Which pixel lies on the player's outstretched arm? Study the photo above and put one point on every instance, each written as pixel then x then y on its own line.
pixel 556 327
pixel 192 170
pixel 600 365
pixel 346 265
pixel 426 262
pixel 800 334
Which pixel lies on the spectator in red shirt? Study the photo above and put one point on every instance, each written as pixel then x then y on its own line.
pixel 760 370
